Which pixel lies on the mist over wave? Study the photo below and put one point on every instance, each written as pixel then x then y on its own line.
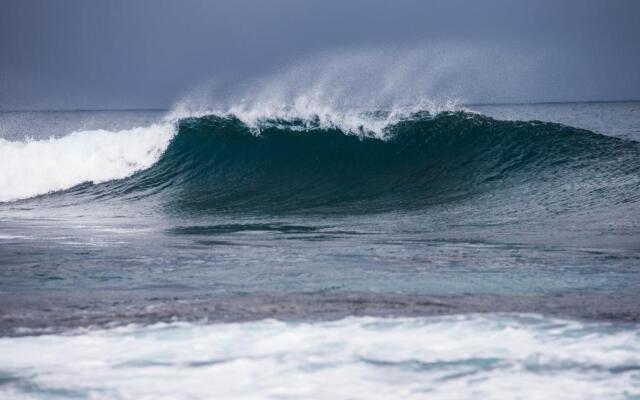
pixel 338 88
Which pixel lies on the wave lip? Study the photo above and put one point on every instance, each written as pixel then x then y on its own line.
pixel 35 167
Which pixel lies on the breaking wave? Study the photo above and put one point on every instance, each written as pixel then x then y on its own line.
pixel 223 162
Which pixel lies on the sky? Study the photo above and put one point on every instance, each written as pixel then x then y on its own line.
pixel 142 54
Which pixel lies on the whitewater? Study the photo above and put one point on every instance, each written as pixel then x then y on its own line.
pixel 458 357
pixel 34 167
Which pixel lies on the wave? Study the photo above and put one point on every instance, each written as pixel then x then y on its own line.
pixel 219 162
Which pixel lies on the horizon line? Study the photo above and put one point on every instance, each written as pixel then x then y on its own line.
pixel 462 104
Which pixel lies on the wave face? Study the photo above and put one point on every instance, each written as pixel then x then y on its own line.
pixel 466 356
pixel 220 163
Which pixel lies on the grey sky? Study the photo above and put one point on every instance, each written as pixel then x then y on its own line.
pixel 71 54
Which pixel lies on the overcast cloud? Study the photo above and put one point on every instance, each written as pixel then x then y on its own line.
pixel 79 54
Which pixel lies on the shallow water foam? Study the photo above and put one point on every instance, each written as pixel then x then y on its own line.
pixel 481 356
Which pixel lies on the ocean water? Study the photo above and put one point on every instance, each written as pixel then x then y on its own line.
pixel 487 251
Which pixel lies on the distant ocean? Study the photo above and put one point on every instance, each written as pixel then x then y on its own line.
pixel 488 251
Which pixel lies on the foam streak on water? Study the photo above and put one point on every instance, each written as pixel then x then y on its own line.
pixel 479 356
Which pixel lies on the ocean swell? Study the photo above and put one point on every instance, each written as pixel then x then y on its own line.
pixel 220 163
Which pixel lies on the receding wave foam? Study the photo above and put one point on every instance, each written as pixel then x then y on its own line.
pixel 455 357
pixel 34 167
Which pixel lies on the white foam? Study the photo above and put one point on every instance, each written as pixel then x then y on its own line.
pixel 34 167
pixel 456 357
